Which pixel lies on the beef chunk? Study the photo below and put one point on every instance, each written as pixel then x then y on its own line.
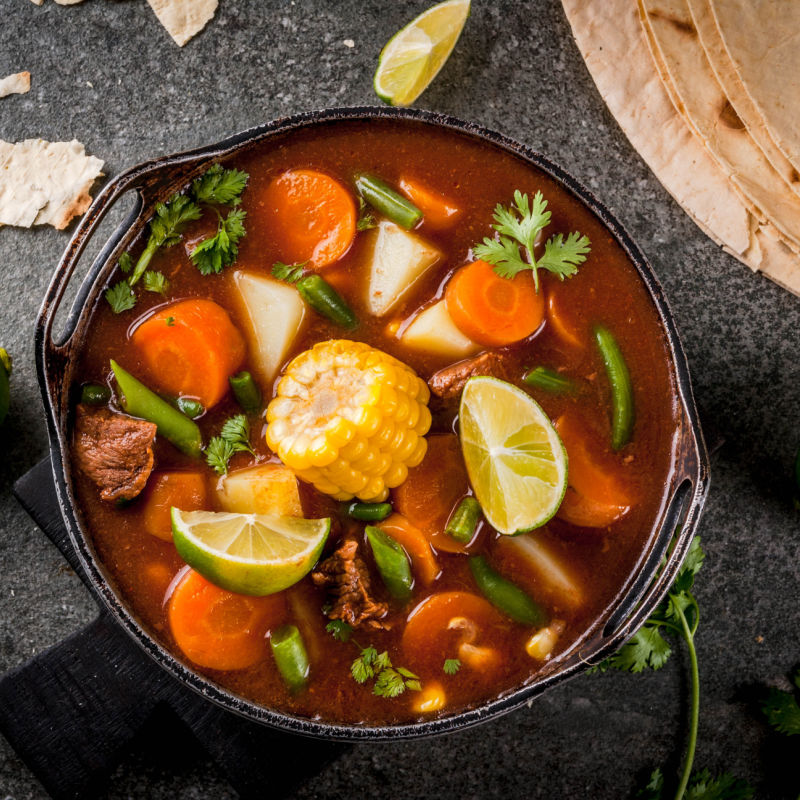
pixel 449 382
pixel 115 451
pixel 346 576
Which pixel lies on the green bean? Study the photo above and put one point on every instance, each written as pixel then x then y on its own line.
pixel 548 380
pixel 94 394
pixel 325 300
pixel 392 562
pixel 388 202
pixel 290 655
pixel 139 401
pixel 247 393
pixel 505 595
pixel 5 389
pixel 190 407
pixel 369 512
pixel 621 389
pixel 462 524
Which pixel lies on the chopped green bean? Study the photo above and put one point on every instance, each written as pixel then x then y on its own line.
pixel 505 595
pixel 548 380
pixel 369 512
pixel 462 524
pixel 192 408
pixel 290 655
pixel 246 391
pixel 392 562
pixel 388 202
pixel 325 300
pixel 139 401
pixel 621 389
pixel 94 394
pixel 5 389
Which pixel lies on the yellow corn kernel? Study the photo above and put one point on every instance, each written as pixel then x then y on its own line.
pixel 540 645
pixel 431 698
pixel 350 419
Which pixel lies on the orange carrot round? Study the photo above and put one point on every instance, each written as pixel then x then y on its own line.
pixel 218 629
pixel 310 216
pixel 596 494
pixel 416 545
pixel 184 490
pixel 491 310
pixel 433 489
pixel 439 211
pixel 190 348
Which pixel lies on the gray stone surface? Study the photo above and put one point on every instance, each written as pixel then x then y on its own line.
pixel 107 74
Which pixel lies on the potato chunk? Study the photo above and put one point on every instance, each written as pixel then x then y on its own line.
pixel 264 489
pixel 434 331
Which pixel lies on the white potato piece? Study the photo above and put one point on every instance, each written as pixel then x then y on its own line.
pixel 434 331
pixel 274 313
pixel 264 489
pixel 399 259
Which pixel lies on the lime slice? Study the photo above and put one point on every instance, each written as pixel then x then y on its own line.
pixel 254 554
pixel 516 463
pixel 415 54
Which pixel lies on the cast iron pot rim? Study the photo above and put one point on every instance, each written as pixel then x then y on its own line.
pixel 641 593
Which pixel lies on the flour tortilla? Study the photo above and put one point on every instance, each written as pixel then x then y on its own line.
pixel 15 84
pixel 613 44
pixel 704 105
pixel 183 19
pixel 762 38
pixel 45 183
pixel 745 109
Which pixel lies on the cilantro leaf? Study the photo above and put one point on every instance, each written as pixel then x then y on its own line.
pixel 125 263
pixel 236 431
pixel 339 629
pixel 647 648
pixel 518 229
pixel 171 218
pixel 451 666
pixel 216 252
pixel 155 282
pixel 782 711
pixel 290 273
pixel 366 219
pixel 655 786
pixel 703 786
pixel 218 454
pixel 389 683
pixel 691 566
pixel 361 669
pixel 120 297
pixel 219 185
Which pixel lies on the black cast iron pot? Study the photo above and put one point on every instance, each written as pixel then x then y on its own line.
pixel 155 181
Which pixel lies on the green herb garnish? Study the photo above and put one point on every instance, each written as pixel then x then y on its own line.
pixel 212 255
pixel 120 297
pixel 220 186
pixel 125 263
pixel 451 666
pixel 155 282
pixel 366 219
pixel 782 710
pixel 518 226
pixel 390 681
pixel 340 630
pixel 289 273
pixel 233 438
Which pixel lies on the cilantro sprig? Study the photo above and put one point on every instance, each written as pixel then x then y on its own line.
pixel 212 255
pixel 120 297
pixel 234 437
pixel 782 709
pixel 220 186
pixel 518 228
pixel 451 666
pixel 702 786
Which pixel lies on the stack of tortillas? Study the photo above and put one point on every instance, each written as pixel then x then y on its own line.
pixel 708 92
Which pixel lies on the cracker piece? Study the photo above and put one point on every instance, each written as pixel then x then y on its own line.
pixel 183 19
pixel 45 183
pixel 20 83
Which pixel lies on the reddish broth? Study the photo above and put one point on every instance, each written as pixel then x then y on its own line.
pixel 607 289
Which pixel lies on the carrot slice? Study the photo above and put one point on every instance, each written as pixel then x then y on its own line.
pixel 416 545
pixel 184 490
pixel 433 489
pixel 310 216
pixel 491 310
pixel 218 629
pixel 596 494
pixel 190 348
pixel 443 622
pixel 439 211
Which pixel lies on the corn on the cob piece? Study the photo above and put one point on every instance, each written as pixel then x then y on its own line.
pixel 350 419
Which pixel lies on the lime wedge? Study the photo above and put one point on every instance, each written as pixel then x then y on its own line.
pixel 415 54
pixel 253 554
pixel 516 463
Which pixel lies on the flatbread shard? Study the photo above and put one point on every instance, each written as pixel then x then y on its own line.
pixel 15 84
pixel 183 19
pixel 45 183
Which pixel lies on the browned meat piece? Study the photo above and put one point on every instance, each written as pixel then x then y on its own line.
pixel 115 451
pixel 346 576
pixel 449 382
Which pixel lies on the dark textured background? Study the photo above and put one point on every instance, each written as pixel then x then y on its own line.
pixel 109 75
